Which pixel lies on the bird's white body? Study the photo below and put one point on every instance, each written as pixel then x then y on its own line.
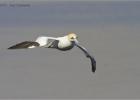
pixel 64 42
pixel 43 41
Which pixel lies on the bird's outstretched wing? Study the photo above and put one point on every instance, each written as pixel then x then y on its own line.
pixel 93 62
pixel 24 45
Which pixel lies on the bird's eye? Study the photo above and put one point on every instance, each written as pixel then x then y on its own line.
pixel 72 37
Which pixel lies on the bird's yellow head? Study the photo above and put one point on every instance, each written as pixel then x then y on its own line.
pixel 72 37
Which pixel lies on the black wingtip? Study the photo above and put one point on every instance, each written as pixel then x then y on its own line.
pixel 12 47
pixel 94 67
pixel 93 63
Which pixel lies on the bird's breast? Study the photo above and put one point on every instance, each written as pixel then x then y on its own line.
pixel 65 45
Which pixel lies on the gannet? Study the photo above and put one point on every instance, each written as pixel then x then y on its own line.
pixel 63 43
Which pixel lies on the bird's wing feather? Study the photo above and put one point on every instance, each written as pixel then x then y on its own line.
pixel 52 43
pixel 93 62
pixel 23 45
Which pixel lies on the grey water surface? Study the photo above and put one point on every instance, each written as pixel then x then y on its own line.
pixel 109 30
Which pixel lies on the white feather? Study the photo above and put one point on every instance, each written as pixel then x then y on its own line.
pixel 64 42
pixel 43 40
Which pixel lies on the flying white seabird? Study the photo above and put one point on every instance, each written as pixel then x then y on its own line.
pixel 64 43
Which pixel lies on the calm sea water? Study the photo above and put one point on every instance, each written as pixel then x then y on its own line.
pixel 109 30
pixel 71 14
